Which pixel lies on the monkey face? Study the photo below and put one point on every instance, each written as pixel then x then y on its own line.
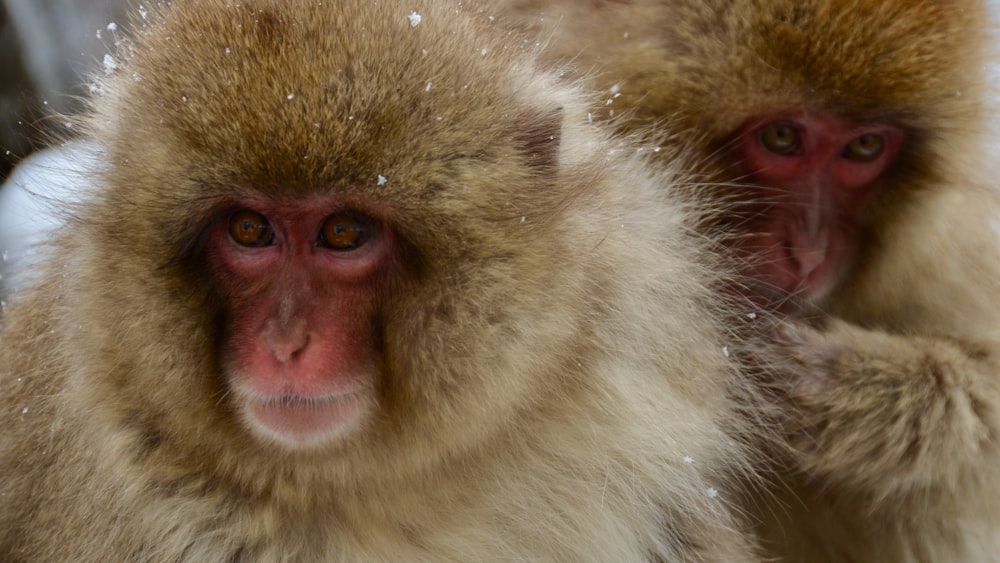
pixel 812 176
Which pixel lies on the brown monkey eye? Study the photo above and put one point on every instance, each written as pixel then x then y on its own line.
pixel 343 231
pixel 780 138
pixel 249 228
pixel 865 148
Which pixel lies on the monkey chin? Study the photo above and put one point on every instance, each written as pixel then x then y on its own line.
pixel 789 296
pixel 299 422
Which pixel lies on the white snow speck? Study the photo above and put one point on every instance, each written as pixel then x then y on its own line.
pixel 382 180
pixel 523 218
pixel 109 64
pixel 725 350
pixel 184 98
pixel 414 19
pixel 142 12
pixel 428 87
pixel 751 316
pixel 590 117
pixel 291 96
pixel 423 52
pixel 228 50
pixel 711 492
pixel 688 459
pixel 350 118
pixel 98 34
pixel 24 410
pixel 111 26
pixel 483 52
pixel 625 35
pixel 616 88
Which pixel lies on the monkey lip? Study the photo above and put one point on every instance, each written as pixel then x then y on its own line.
pixel 791 291
pixel 302 421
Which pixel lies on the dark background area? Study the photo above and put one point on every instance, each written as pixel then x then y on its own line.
pixel 47 47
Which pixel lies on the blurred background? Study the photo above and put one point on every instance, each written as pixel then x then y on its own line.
pixel 46 49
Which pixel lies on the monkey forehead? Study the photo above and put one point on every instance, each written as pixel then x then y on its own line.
pixel 880 59
pixel 341 91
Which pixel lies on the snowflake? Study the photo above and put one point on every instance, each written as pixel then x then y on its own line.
pixel 109 64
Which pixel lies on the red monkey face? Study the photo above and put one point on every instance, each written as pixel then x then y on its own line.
pixel 300 282
pixel 814 175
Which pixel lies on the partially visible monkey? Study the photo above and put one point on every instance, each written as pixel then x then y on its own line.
pixel 32 204
pixel 857 129
pixel 359 283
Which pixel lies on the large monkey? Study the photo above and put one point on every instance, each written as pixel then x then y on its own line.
pixel 359 283
pixel 856 128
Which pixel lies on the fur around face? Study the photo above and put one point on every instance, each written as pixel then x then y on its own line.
pixel 699 68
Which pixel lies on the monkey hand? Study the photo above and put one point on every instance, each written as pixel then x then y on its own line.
pixel 882 412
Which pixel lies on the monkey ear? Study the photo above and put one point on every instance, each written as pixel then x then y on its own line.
pixel 538 135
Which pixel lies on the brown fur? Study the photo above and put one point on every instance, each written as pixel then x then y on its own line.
pixel 893 400
pixel 527 408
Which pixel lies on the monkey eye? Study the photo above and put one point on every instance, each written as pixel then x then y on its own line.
pixel 780 138
pixel 343 231
pixel 249 228
pixel 865 148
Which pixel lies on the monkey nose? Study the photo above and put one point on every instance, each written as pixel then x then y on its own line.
pixel 286 343
pixel 808 240
pixel 807 260
pixel 807 254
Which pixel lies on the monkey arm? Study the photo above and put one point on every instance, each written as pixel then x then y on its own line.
pixel 884 412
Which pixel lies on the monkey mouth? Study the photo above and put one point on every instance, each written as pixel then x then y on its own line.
pixel 298 421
